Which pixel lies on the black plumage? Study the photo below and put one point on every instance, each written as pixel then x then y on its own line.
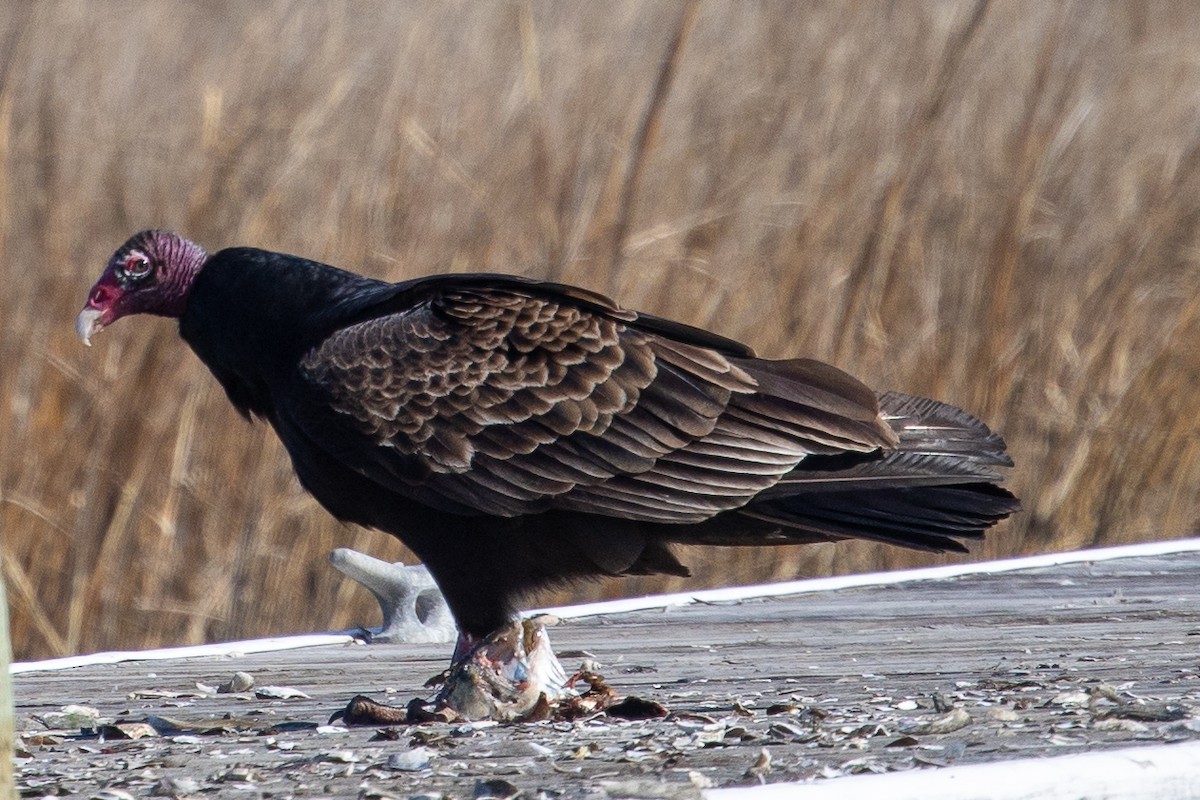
pixel 515 434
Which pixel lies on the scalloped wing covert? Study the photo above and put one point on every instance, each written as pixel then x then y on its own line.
pixel 506 402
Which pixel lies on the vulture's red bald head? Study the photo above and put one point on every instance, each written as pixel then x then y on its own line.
pixel 152 273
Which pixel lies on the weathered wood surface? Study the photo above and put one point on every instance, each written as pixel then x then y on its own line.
pixel 1042 662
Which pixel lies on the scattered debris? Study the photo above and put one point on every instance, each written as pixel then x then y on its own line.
pixel 495 789
pixel 761 767
pixel 1117 724
pixel 70 717
pixel 637 708
pixel 239 682
pixel 178 787
pixel 167 694
pixel 111 794
pixel 741 710
pixel 1148 712
pixel 413 760
pixel 786 731
pixel 946 723
pixel 362 710
pixel 126 730
pixel 903 741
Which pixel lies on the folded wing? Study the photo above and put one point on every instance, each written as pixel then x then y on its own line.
pixel 511 399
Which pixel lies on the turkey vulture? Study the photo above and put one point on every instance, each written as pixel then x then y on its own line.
pixel 517 434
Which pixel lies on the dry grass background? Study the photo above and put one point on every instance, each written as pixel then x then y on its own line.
pixel 991 203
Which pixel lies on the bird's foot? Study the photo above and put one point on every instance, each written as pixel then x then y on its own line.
pixel 511 675
pixel 413 607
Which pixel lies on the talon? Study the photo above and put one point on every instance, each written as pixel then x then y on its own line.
pixel 437 680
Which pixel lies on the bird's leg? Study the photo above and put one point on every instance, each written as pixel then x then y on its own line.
pixel 463 647
pixel 510 675
pixel 505 675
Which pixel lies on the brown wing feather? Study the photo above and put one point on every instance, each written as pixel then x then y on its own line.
pixel 511 402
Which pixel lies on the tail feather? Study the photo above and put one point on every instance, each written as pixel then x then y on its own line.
pixel 925 518
pixel 935 428
pixel 935 489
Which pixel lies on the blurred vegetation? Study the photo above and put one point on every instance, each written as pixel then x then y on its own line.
pixel 994 204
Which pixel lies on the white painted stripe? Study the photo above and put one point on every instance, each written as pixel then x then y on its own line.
pixel 809 585
pixel 194 651
pixel 1155 772
pixel 730 594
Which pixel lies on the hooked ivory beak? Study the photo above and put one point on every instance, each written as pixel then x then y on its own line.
pixel 88 323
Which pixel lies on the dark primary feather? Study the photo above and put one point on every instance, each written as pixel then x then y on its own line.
pixel 515 434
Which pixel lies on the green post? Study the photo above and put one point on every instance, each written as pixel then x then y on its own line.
pixel 8 788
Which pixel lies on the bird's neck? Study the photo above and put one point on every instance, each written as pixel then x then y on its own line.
pixel 251 315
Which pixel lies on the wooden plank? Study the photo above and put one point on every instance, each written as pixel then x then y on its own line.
pixel 1068 659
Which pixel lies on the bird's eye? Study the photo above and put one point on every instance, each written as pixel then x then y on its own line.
pixel 137 266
